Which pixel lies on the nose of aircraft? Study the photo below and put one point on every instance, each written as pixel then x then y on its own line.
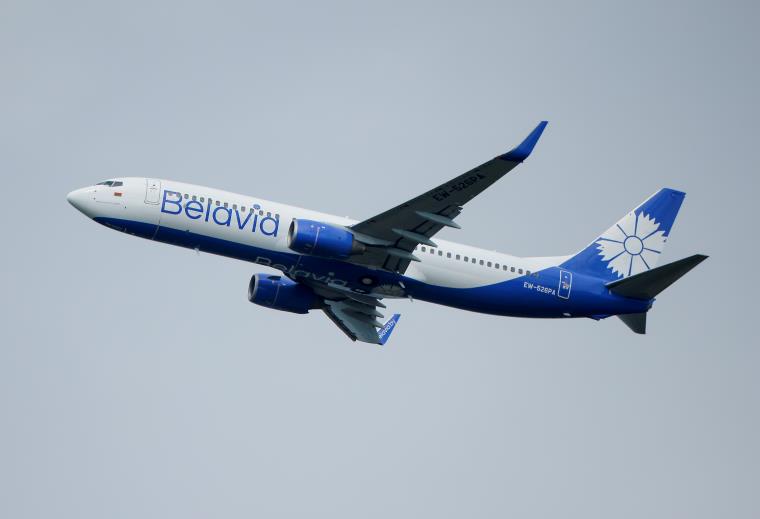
pixel 79 198
pixel 75 198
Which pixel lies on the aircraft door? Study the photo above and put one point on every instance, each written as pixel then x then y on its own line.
pixel 565 284
pixel 152 190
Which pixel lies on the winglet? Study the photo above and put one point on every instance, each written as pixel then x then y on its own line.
pixel 521 152
pixel 385 332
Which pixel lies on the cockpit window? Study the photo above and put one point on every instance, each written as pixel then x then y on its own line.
pixel 117 183
pixel 110 183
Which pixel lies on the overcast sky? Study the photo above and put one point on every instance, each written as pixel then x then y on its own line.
pixel 137 381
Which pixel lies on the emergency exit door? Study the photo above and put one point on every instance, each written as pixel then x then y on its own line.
pixel 152 190
pixel 565 284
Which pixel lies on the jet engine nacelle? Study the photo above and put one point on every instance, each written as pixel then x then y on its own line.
pixel 281 294
pixel 321 239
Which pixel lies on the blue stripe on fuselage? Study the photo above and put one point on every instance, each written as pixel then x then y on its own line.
pixel 526 296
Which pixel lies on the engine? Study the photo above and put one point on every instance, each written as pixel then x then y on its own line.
pixel 281 294
pixel 321 239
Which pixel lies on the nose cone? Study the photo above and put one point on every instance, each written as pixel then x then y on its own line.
pixel 75 198
pixel 79 198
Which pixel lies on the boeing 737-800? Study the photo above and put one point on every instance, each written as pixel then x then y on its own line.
pixel 345 268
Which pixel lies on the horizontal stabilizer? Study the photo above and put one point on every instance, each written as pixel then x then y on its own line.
pixel 636 322
pixel 647 285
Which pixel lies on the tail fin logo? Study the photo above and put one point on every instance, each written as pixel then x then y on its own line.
pixel 633 245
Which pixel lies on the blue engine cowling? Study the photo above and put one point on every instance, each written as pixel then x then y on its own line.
pixel 281 294
pixel 321 239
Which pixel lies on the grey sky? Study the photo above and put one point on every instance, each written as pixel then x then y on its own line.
pixel 137 381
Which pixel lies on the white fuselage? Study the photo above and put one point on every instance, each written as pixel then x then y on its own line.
pixel 255 230
pixel 265 228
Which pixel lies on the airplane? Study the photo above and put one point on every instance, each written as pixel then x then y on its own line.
pixel 346 268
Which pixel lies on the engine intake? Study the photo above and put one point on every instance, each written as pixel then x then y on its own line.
pixel 281 294
pixel 321 239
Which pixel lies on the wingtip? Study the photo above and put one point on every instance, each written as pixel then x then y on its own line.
pixel 385 332
pixel 525 148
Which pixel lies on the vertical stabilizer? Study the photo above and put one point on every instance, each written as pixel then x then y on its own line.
pixel 635 243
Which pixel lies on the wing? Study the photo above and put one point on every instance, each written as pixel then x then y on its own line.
pixel 393 235
pixel 360 324
pixel 355 314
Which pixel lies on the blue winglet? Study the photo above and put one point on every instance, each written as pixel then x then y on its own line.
pixel 385 332
pixel 521 152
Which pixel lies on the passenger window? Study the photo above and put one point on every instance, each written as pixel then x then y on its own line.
pixel 481 262
pixel 277 216
pixel 489 264
pixel 458 257
pixel 201 199
pixel 195 198
pixel 513 269
pixel 217 203
pixel 466 259
pixel 186 196
pixel 242 208
pixel 519 271
pixel 505 267
pixel 269 214
pixel 261 213
pixel 527 272
pixel 423 249
pixel 225 204
pixel 496 265
pixel 440 253
pixel 234 206
pixel 474 260
pixel 432 251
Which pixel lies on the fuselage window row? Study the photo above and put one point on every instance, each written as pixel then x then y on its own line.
pixel 449 255
pixel 475 261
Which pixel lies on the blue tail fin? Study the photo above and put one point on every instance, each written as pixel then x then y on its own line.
pixel 635 243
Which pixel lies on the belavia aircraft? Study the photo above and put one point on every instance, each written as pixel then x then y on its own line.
pixel 345 268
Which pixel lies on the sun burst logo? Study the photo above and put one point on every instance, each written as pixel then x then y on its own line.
pixel 633 245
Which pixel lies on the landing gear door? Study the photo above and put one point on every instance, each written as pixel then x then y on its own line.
pixel 565 284
pixel 152 190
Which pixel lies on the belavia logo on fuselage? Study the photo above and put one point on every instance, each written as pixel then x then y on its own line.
pixel 220 215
